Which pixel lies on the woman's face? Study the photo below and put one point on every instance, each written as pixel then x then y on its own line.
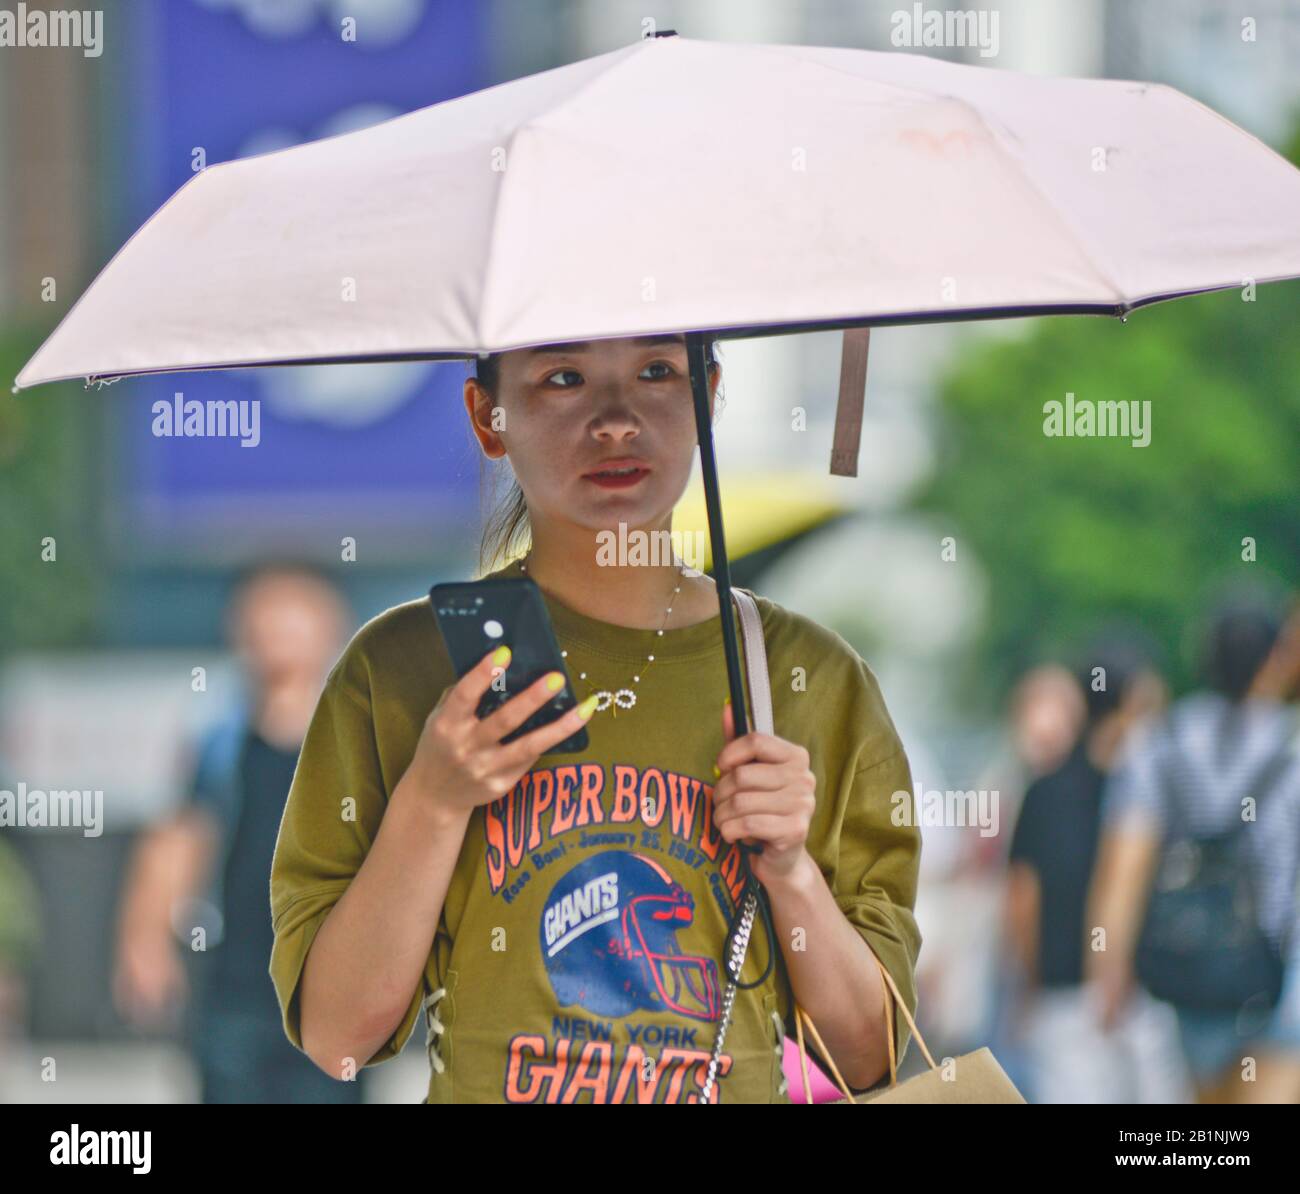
pixel 566 411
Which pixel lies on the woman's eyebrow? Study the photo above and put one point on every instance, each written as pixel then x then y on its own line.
pixel 587 345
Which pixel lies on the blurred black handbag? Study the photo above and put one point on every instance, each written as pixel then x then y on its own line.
pixel 1201 945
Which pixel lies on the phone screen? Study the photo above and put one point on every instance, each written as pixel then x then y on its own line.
pixel 476 617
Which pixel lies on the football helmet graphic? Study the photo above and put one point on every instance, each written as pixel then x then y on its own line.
pixel 609 940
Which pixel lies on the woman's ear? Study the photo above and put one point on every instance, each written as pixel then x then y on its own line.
pixel 481 411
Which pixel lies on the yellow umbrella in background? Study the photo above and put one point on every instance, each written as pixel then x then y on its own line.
pixel 760 510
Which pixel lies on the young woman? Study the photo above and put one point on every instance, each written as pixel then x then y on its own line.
pixel 560 917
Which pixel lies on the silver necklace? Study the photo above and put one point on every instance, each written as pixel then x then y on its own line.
pixel 622 698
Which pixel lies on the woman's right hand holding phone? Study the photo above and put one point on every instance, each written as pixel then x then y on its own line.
pixel 459 760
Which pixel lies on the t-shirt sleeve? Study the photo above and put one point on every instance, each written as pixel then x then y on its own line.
pixel 335 805
pixel 875 875
pixel 1134 793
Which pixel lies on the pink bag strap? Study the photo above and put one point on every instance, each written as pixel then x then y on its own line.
pixel 751 631
pixel 760 699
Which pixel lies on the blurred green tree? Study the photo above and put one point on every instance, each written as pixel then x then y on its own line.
pixel 49 489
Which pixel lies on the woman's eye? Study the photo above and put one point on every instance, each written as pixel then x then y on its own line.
pixel 665 371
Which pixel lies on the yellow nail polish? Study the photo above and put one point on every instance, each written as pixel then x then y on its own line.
pixel 716 773
pixel 501 657
pixel 726 702
pixel 588 707
pixel 555 681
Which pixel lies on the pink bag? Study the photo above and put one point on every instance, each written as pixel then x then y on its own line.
pixel 823 1089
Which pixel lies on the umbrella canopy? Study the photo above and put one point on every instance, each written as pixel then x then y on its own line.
pixel 678 184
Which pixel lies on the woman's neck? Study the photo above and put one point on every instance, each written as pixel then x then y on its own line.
pixel 631 595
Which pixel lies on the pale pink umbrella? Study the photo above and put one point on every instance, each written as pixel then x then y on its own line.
pixel 678 185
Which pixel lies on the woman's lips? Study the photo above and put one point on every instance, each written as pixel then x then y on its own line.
pixel 620 481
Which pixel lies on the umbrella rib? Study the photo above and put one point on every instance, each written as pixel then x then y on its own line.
pixel 193 178
pixel 839 70
pixel 1020 171
pixel 479 329
pixel 488 290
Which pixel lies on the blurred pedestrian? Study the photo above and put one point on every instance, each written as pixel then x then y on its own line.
pixel 1206 812
pixel 1069 1055
pixel 288 624
pixel 1047 715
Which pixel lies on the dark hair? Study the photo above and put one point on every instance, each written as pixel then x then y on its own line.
pixel 506 530
pixel 1241 635
pixel 1123 653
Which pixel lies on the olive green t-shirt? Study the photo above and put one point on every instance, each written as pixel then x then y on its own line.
pixel 578 954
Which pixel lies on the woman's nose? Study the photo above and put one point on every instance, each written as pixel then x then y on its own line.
pixel 614 415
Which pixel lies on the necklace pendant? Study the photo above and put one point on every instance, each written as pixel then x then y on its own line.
pixel 623 698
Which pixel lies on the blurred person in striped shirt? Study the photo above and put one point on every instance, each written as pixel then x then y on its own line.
pixel 1231 746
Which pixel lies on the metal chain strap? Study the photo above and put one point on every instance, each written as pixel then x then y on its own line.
pixel 740 947
pixel 758 681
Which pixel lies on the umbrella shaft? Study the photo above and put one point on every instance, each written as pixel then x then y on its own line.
pixel 695 356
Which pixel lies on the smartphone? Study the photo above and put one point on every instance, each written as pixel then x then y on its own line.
pixel 478 616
